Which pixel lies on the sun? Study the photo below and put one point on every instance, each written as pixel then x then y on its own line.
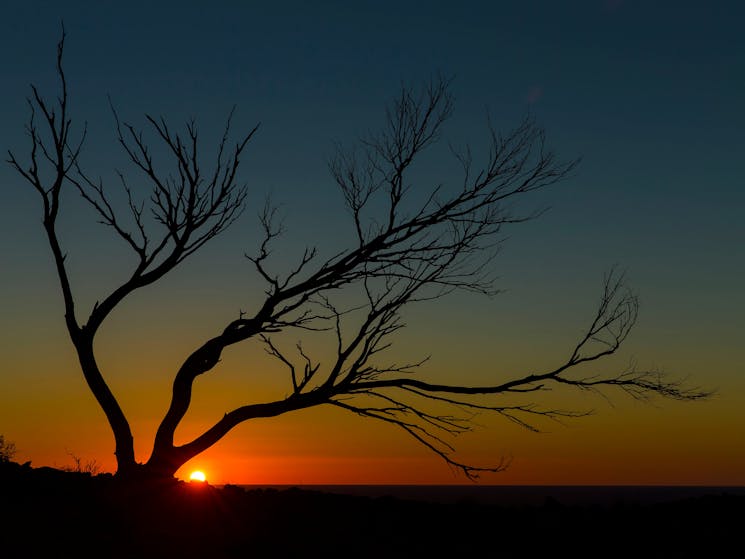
pixel 198 476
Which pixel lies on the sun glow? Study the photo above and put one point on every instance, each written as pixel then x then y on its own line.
pixel 197 476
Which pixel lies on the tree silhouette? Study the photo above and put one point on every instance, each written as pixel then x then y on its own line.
pixel 404 248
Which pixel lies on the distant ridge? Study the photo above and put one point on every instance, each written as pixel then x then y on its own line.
pixel 524 495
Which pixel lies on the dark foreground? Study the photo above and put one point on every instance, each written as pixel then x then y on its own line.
pixel 49 513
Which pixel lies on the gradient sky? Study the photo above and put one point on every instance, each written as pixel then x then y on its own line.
pixel 649 94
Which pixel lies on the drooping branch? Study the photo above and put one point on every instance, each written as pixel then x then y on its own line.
pixel 616 314
pixel 406 399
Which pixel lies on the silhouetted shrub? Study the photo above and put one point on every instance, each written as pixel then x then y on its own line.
pixel 88 467
pixel 7 450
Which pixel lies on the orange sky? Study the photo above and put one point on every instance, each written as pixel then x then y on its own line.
pixel 51 414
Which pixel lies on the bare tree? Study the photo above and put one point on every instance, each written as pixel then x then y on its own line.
pixel 407 247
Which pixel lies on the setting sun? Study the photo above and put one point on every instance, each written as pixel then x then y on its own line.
pixel 198 476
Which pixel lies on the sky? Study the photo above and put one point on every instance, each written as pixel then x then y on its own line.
pixel 647 94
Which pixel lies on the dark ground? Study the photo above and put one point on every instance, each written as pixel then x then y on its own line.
pixel 49 513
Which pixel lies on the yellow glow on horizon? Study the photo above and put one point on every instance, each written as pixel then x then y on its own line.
pixel 197 475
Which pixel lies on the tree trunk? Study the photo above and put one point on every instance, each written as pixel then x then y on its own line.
pixel 124 450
